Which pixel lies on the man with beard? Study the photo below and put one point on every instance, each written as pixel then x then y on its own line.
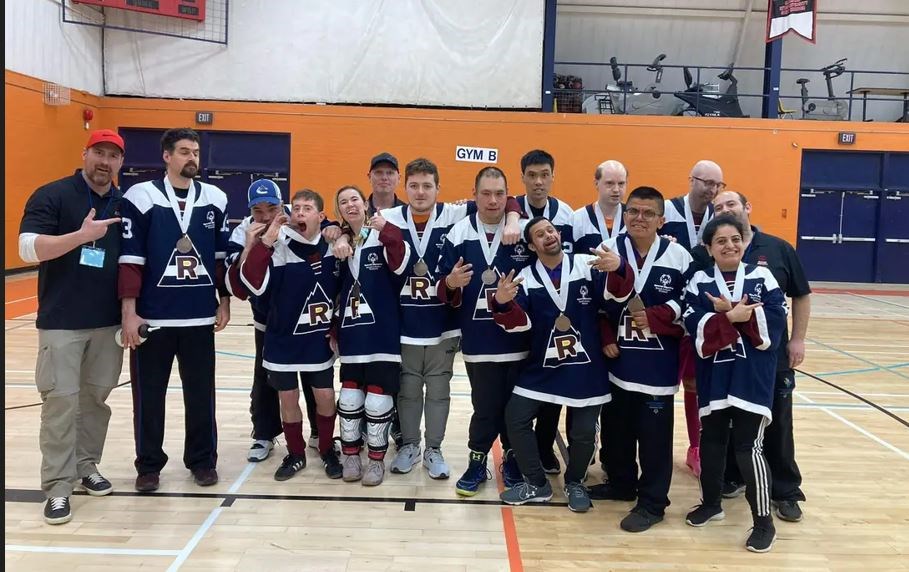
pixel 175 236
pixel 67 228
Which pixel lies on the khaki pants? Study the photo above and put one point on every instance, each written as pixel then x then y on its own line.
pixel 432 367
pixel 75 372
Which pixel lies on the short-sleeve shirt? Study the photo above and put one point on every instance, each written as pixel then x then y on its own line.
pixel 73 296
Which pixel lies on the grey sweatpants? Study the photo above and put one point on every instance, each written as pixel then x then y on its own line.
pixel 429 366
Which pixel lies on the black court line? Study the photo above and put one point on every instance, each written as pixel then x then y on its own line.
pixel 36 496
pixel 127 382
pixel 865 400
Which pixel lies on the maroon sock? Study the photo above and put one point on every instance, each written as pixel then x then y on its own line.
pixel 326 425
pixel 692 418
pixel 293 434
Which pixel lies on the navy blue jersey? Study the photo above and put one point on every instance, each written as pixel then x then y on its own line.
pixel 370 323
pixel 482 340
pixel 589 227
pixel 680 222
pixel 426 320
pixel 649 358
pixel 235 246
pixel 737 362
pixel 178 289
pixel 558 213
pixel 566 363
pixel 300 278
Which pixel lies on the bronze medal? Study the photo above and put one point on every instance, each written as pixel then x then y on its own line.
pixel 420 268
pixel 562 323
pixel 184 245
pixel 489 277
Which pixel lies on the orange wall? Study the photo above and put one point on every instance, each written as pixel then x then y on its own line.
pixel 331 146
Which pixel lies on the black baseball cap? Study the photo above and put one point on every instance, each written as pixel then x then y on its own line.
pixel 384 158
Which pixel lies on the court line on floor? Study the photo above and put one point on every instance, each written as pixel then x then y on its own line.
pixel 888 411
pixel 85 550
pixel 194 541
pixel 242 478
pixel 512 544
pixel 879 301
pixel 853 356
pixel 861 430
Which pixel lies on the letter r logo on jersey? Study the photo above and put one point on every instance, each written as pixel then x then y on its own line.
pixel 565 346
pixel 186 267
pixel 419 288
pixel 319 313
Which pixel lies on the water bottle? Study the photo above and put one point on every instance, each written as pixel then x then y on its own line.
pixel 144 331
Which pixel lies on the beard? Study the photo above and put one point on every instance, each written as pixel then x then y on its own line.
pixel 189 171
pixel 100 178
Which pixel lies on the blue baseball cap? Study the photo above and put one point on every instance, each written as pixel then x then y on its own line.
pixel 263 191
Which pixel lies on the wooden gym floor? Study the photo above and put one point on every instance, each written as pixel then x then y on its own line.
pixel 853 455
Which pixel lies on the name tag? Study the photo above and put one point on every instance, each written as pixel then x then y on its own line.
pixel 91 256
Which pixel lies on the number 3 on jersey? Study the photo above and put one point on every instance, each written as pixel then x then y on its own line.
pixel 127 227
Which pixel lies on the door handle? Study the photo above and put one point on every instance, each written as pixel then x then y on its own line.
pixel 855 239
pixel 897 240
pixel 832 239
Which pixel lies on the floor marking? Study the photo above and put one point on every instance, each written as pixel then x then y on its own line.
pixel 853 356
pixel 512 545
pixel 243 476
pixel 80 550
pixel 194 541
pixel 21 299
pixel 879 301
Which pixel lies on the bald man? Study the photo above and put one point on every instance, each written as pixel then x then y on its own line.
pixel 685 220
pixel 601 220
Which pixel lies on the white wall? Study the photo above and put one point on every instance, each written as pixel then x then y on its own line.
pixel 39 44
pixel 427 52
pixel 872 34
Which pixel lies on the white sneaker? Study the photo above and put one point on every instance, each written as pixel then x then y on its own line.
pixel 435 463
pixel 407 457
pixel 260 450
pixel 313 442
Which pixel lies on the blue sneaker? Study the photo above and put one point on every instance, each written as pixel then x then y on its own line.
pixel 476 474
pixel 511 473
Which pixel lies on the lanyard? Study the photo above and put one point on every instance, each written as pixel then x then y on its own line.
pixel 640 276
pixel 91 204
pixel 489 251
pixel 601 220
pixel 421 244
pixel 736 294
pixel 560 298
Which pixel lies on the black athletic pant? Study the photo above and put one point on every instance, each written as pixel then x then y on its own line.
pixel 547 427
pixel 779 446
pixel 150 368
pixel 491 384
pixel 264 405
pixel 519 415
pixel 747 439
pixel 639 426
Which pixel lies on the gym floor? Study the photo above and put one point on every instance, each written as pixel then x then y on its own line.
pixel 853 451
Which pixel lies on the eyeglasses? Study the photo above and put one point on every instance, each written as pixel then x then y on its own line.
pixel 709 183
pixel 647 215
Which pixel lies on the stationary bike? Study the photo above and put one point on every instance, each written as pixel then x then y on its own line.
pixel 702 102
pixel 830 109
pixel 624 98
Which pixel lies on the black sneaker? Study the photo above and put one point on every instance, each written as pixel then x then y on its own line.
pixel 290 466
pixel 605 491
pixel 57 510
pixel 332 465
pixel 639 520
pixel 788 510
pixel 578 499
pixel 762 535
pixel 702 514
pixel 551 465
pixel 96 485
pixel 732 489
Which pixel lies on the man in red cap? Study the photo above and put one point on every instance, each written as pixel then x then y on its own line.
pixel 70 229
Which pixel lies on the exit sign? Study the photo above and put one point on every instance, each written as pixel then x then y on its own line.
pixel 205 117
pixel 846 138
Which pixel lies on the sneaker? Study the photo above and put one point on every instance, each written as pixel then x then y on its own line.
pixel 639 520
pixel 578 499
pixel 407 457
pixel 96 485
pixel 788 510
pixel 352 468
pixel 332 465
pixel 205 477
pixel 702 514
pixel 762 535
pixel 260 450
pixel 511 472
pixel 147 483
pixel 290 466
pixel 435 463
pixel 693 460
pixel 57 510
pixel 476 474
pixel 605 491
pixel 526 492
pixel 374 473
pixel 550 462
pixel 313 441
pixel 732 489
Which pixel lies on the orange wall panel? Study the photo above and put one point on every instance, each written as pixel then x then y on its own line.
pixel 331 146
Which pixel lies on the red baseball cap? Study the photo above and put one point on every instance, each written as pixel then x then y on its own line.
pixel 105 136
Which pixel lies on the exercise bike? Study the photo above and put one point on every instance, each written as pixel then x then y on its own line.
pixel 830 109
pixel 701 101
pixel 624 98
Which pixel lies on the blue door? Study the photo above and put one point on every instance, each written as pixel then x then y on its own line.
pixel 894 252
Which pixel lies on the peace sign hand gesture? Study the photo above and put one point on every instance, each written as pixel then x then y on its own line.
pixel 507 288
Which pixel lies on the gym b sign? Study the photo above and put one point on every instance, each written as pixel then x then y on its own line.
pixel 476 154
pixel 845 138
